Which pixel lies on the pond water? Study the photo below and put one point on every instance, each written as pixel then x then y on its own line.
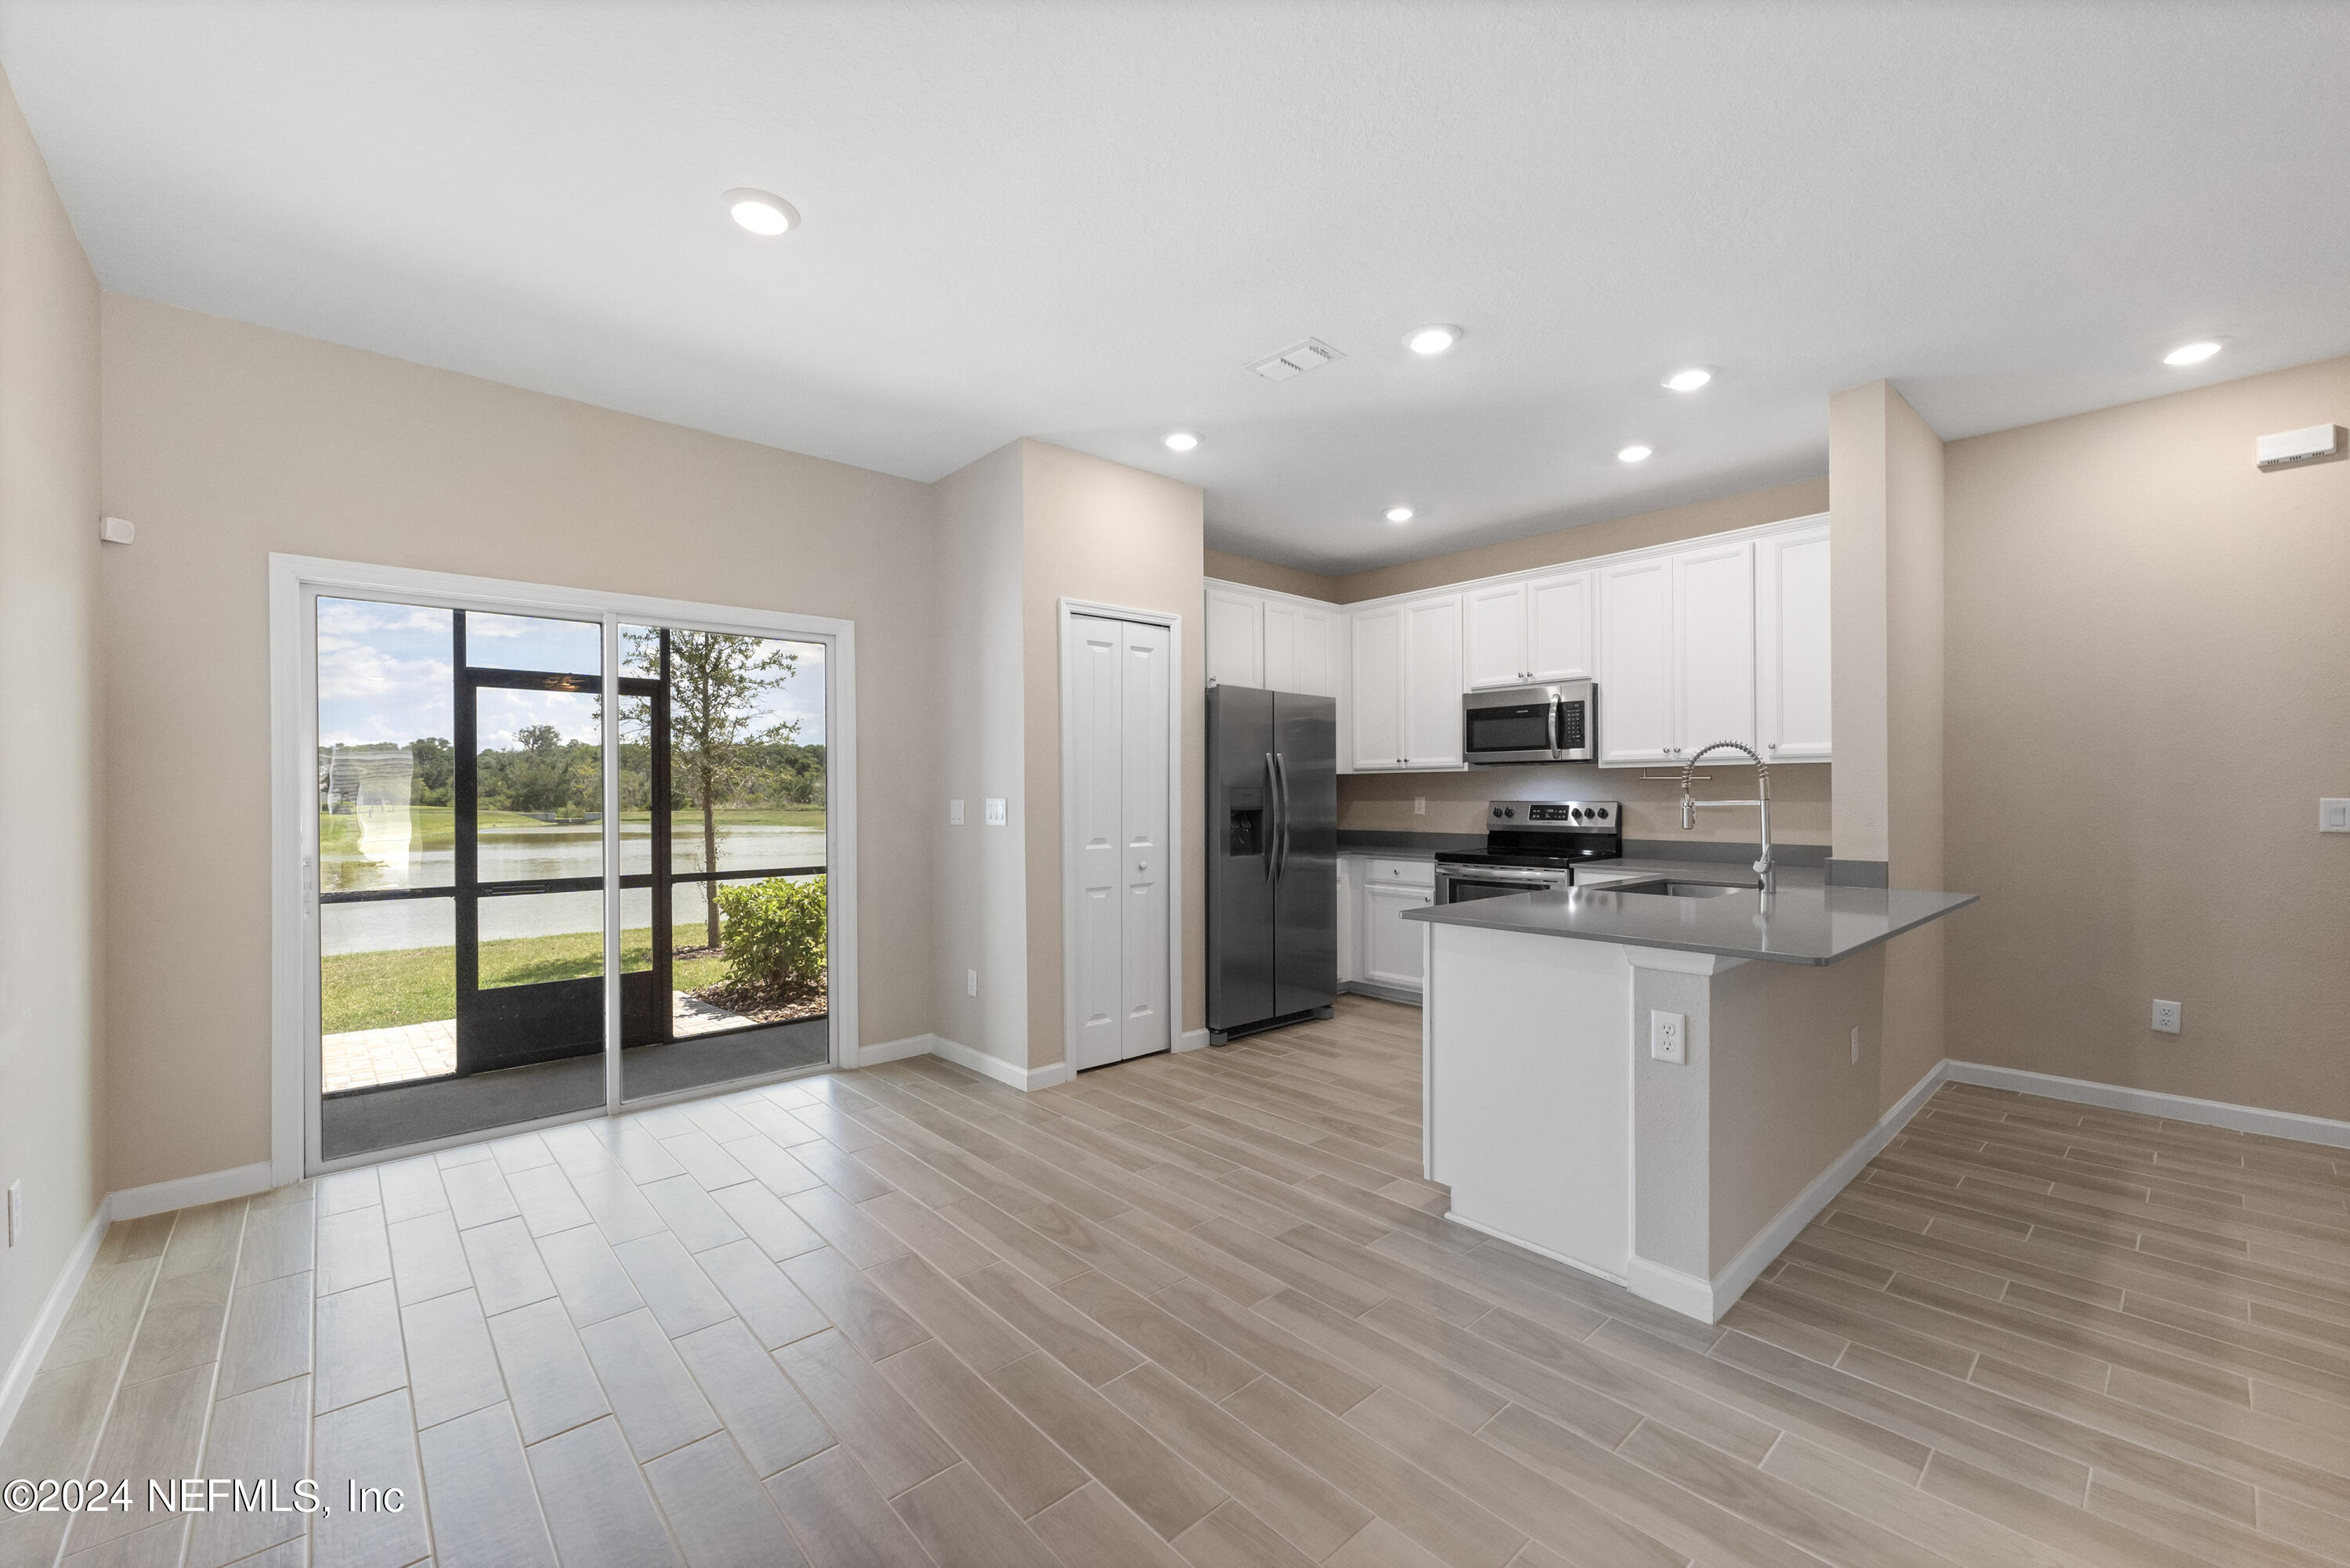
pixel 515 853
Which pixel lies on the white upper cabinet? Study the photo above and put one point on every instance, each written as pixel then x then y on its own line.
pixel 1714 636
pixel 1235 652
pixel 1496 618
pixel 1558 622
pixel 1515 633
pixel 1260 639
pixel 1790 645
pixel 1432 682
pixel 1636 661
pixel 1377 688
pixel 1300 653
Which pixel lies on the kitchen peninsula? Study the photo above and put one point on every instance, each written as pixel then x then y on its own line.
pixel 1644 1079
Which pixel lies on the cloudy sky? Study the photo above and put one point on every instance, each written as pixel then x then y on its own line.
pixel 384 674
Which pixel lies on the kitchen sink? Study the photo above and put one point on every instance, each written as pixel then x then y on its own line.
pixel 1681 889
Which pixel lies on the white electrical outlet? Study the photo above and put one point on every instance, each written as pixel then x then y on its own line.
pixel 954 813
pixel 2334 817
pixel 995 811
pixel 1419 806
pixel 970 981
pixel 1668 1035
pixel 15 1210
pixel 2166 1018
pixel 1855 1045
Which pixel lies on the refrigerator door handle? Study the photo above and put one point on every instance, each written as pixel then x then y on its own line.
pixel 1273 824
pixel 1281 779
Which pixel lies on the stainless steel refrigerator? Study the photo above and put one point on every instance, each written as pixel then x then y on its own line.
pixel 1273 858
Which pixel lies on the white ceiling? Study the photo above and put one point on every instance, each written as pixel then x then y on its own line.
pixel 1080 220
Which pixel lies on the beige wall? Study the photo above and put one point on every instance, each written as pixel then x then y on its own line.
pixel 1914 1038
pixel 981 916
pixel 1269 575
pixel 2148 645
pixel 226 442
pixel 1455 802
pixel 1114 535
pixel 1746 510
pixel 49 832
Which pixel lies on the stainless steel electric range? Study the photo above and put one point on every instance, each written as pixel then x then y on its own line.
pixel 1530 844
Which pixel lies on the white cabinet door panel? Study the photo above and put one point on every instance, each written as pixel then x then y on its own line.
pixel 1318 654
pixel 1432 682
pixel 1281 627
pixel 1497 636
pixel 1635 662
pixel 1393 950
pixel 1713 617
pixel 1235 639
pixel 1377 705
pixel 1793 665
pixel 1558 618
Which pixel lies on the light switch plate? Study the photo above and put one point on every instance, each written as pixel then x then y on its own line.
pixel 2165 1017
pixel 994 811
pixel 15 1210
pixel 954 813
pixel 970 981
pixel 1668 1035
pixel 2334 817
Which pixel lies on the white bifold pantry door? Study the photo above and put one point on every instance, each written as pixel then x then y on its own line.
pixel 1117 812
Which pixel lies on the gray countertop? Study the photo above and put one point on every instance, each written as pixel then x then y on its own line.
pixel 1806 921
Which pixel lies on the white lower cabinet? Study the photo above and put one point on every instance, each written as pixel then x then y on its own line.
pixel 1392 946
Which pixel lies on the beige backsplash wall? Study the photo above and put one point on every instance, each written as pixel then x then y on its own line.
pixel 1382 803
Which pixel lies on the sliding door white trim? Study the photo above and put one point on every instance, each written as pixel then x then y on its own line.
pixel 1071 892
pixel 295 581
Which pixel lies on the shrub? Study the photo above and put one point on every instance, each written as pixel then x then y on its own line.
pixel 775 937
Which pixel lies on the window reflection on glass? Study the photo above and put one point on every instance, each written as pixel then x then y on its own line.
pixel 384 757
pixel 533 642
pixel 387 993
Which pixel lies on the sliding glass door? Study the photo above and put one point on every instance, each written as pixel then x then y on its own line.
pixel 466 873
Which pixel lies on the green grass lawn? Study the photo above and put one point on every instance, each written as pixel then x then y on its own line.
pixel 417 985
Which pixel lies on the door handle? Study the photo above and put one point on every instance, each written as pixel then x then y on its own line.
pixel 1272 820
pixel 1281 777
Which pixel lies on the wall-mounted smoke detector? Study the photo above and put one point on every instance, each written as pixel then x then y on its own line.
pixel 2288 449
pixel 1295 360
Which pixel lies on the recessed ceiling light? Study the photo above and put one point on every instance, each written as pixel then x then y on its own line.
pixel 762 213
pixel 1182 441
pixel 1635 452
pixel 1433 339
pixel 1399 513
pixel 1689 380
pixel 2192 353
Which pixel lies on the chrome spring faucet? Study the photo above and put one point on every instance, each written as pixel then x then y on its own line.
pixel 1765 875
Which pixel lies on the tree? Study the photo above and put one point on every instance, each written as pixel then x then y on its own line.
pixel 715 680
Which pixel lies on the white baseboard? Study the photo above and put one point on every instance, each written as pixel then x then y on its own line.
pixel 1192 1040
pixel 2153 1103
pixel 895 1050
pixel 136 1202
pixel 996 1067
pixel 1672 1290
pixel 1788 1223
pixel 26 1362
pixel 1524 1245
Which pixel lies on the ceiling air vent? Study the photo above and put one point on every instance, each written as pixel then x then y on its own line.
pixel 1310 355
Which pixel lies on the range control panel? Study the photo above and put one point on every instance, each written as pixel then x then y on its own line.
pixel 1602 815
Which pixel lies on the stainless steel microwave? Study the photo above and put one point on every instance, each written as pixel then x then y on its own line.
pixel 1554 724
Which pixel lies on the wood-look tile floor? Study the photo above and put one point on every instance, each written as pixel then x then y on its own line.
pixel 1200 1310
